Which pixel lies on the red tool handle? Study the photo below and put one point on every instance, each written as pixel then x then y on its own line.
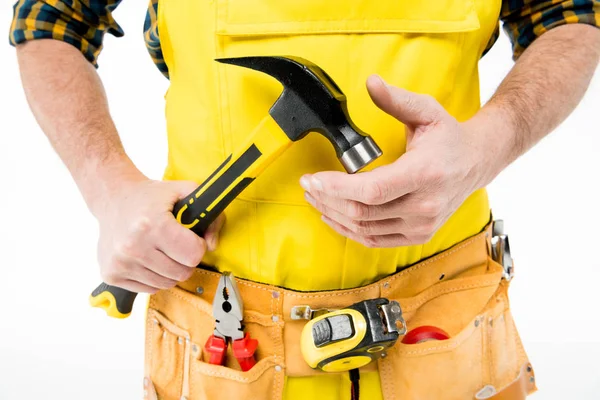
pixel 425 334
pixel 217 348
pixel 243 350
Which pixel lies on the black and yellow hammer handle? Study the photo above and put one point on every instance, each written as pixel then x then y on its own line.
pixel 201 207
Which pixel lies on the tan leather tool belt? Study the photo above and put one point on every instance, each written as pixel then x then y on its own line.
pixel 461 290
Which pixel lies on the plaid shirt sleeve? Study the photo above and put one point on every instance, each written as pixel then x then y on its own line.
pixel 81 23
pixel 526 20
pixel 152 38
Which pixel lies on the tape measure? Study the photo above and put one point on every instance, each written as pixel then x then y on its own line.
pixel 350 338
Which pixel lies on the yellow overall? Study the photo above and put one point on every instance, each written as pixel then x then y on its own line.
pixel 272 235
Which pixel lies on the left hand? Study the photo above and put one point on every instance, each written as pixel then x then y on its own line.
pixel 406 202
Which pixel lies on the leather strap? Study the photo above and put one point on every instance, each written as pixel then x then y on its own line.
pixel 518 389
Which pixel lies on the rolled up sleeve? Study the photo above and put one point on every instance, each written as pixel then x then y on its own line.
pixel 526 20
pixel 81 23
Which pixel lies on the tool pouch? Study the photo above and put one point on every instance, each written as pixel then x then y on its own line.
pixel 178 325
pixel 462 291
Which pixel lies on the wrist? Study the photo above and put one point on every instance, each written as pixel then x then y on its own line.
pixel 101 181
pixel 494 139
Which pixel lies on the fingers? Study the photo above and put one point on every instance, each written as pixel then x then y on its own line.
pixel 372 241
pixel 407 107
pixel 142 247
pixel 378 186
pixel 358 226
pixel 135 287
pixel 416 220
pixel 410 205
pixel 158 262
pixel 416 229
pixel 178 243
pixel 133 277
pixel 150 278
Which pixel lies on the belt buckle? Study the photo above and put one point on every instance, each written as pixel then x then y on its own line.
pixel 501 249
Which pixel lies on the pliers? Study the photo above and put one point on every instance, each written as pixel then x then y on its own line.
pixel 228 313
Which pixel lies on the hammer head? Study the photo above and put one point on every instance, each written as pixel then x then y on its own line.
pixel 312 102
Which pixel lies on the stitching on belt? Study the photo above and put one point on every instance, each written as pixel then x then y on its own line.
pixel 446 291
pixel 441 256
pixel 338 293
pixel 239 282
pixel 413 352
pixel 331 294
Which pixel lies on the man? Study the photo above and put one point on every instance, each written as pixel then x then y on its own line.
pixel 415 227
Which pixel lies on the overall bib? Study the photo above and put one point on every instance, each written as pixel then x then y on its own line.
pixel 275 240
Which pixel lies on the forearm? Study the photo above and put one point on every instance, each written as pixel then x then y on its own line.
pixel 541 90
pixel 67 99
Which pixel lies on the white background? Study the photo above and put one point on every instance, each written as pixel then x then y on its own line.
pixel 53 346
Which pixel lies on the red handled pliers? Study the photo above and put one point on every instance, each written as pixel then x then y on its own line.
pixel 228 313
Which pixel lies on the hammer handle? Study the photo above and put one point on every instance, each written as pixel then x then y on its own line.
pixel 201 207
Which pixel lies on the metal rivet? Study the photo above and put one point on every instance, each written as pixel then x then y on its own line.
pixel 180 340
pixel 278 368
pixel 155 321
pixel 275 294
pixel 529 368
pixel 383 355
pixel 164 334
pixel 532 379
pixel 199 290
pixel 187 340
pixel 386 285
pixel 476 323
pixel 145 382
pixel 275 318
pixel 194 348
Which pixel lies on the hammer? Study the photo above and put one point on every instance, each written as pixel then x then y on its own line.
pixel 310 102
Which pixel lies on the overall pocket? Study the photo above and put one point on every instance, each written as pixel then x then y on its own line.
pixel 179 324
pixel 414 45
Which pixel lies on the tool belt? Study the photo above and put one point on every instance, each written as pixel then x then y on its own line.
pixel 462 290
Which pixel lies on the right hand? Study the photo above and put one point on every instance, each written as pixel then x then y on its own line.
pixel 142 247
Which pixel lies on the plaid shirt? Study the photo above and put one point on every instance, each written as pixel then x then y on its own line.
pixel 83 23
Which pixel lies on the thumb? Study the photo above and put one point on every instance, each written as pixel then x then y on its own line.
pixel 212 233
pixel 409 108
